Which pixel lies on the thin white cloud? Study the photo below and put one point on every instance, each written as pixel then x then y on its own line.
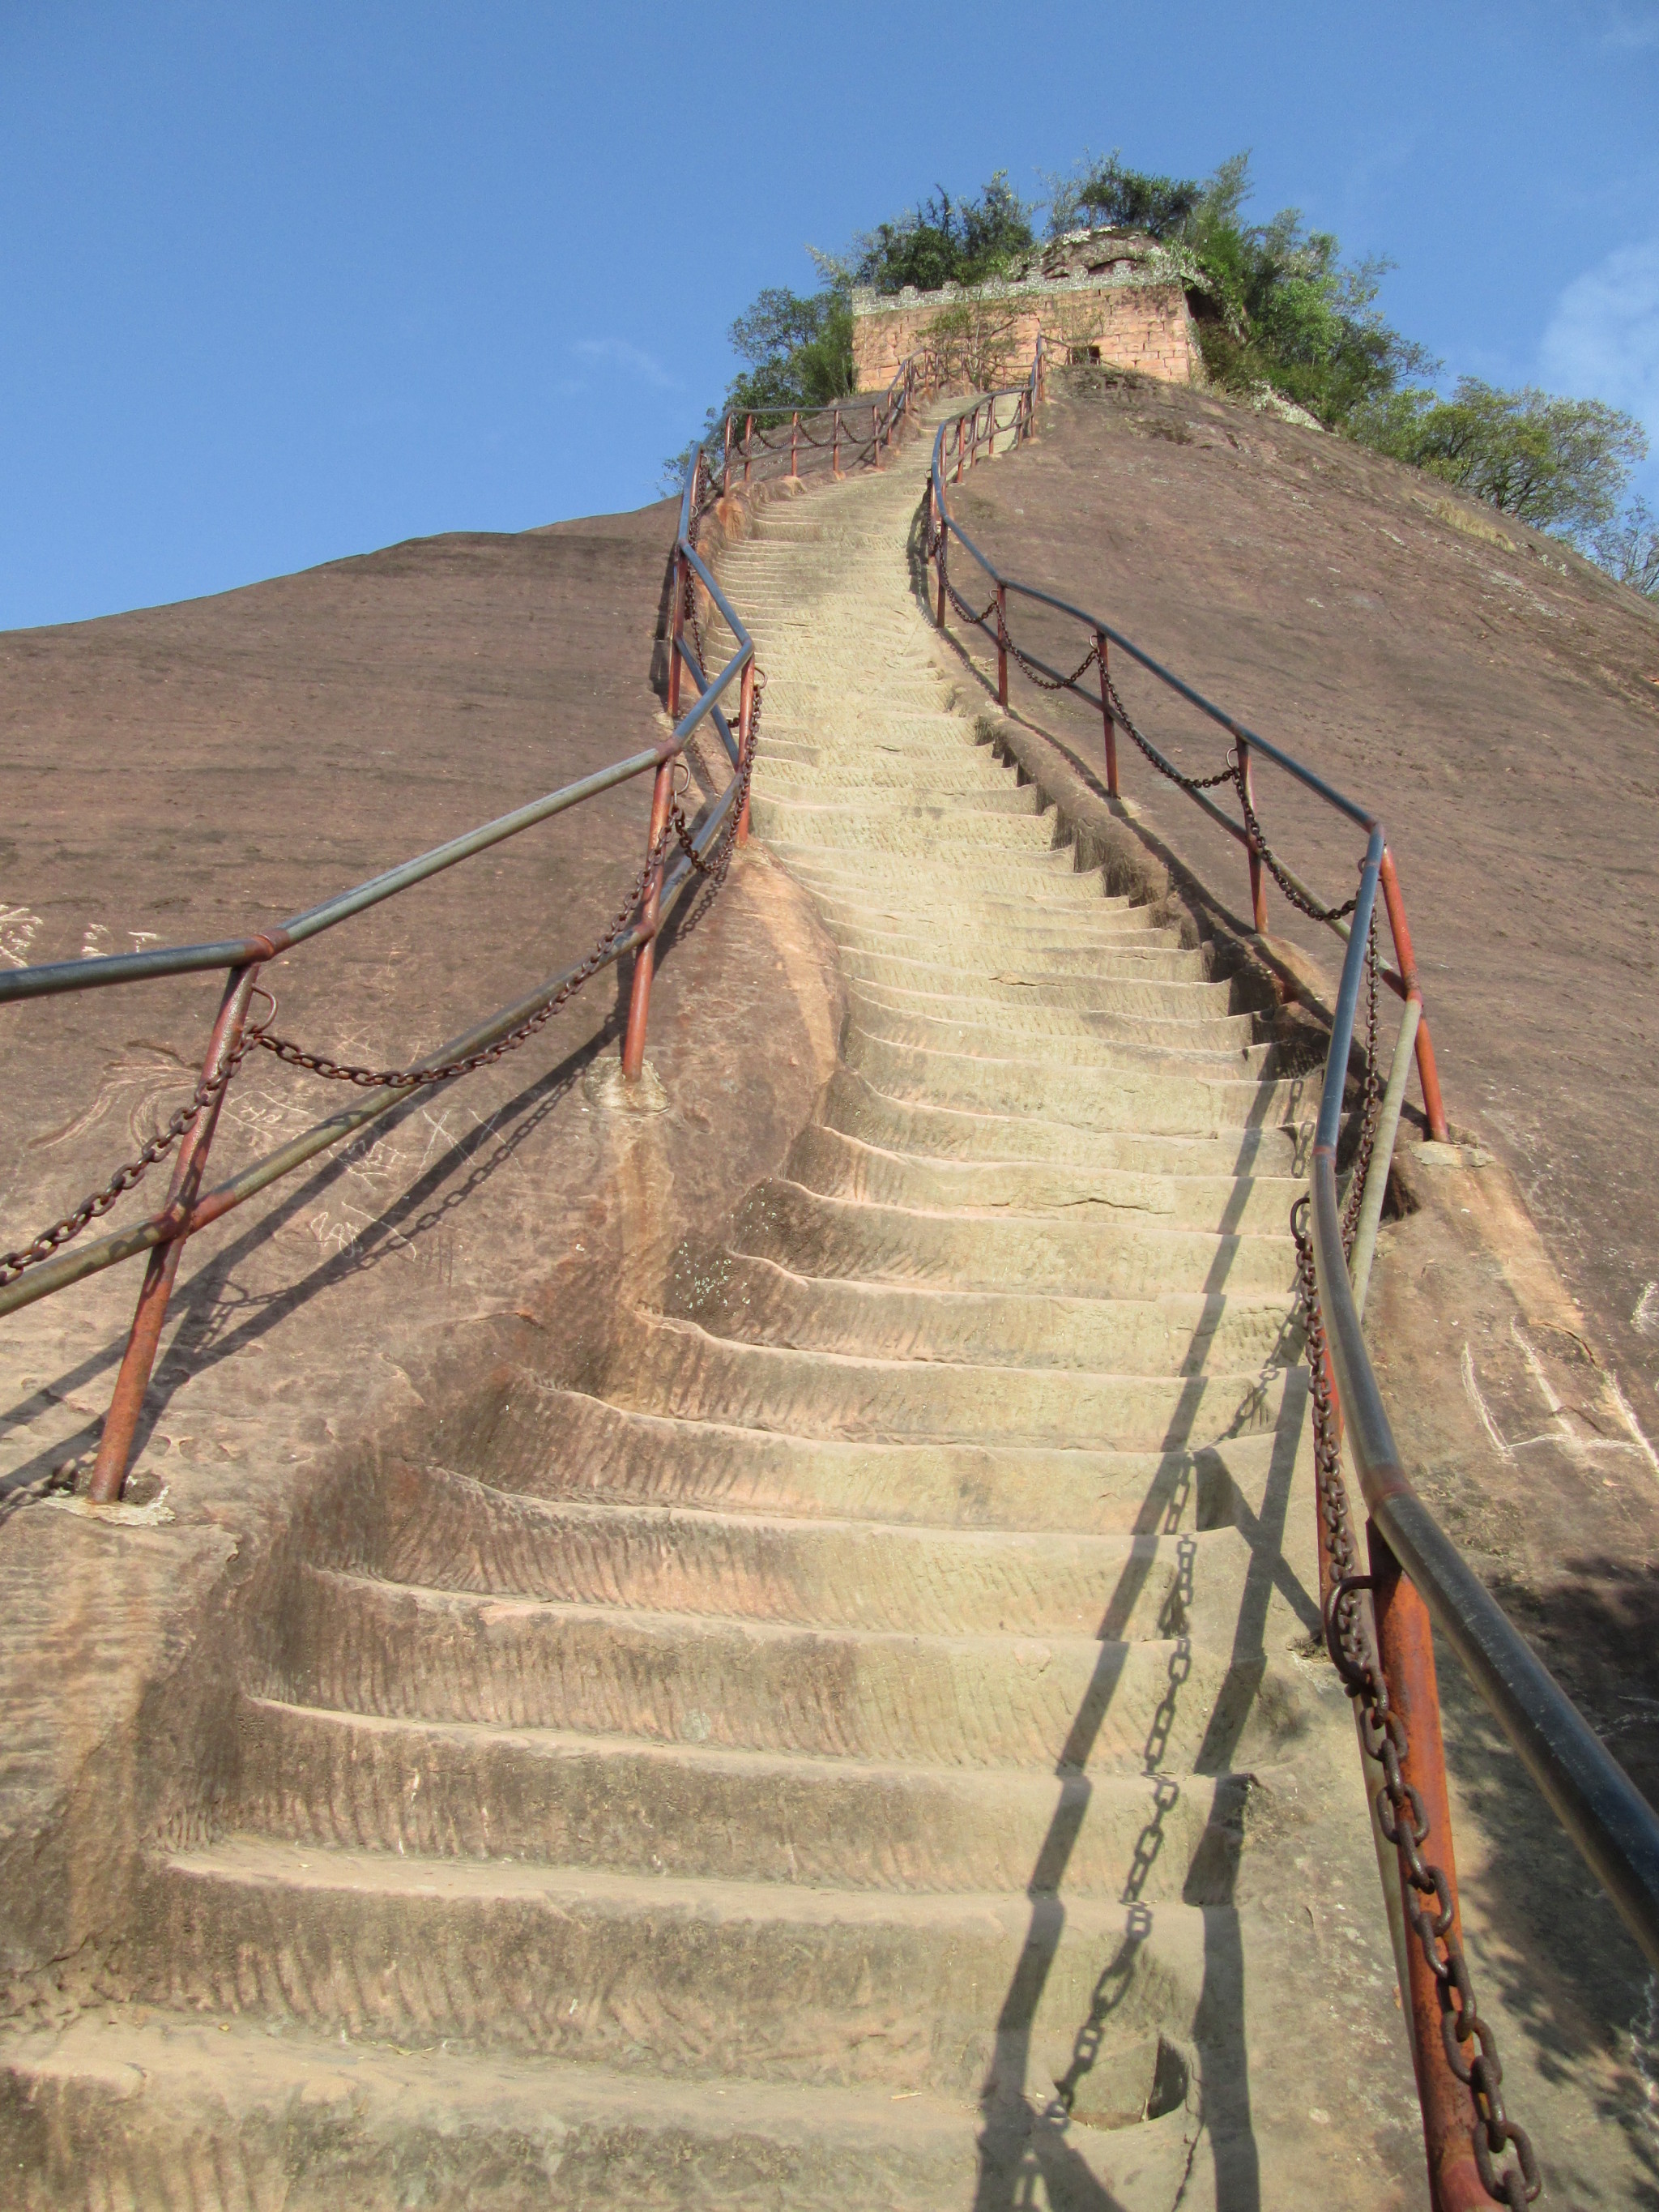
pixel 1625 36
pixel 1602 342
pixel 634 361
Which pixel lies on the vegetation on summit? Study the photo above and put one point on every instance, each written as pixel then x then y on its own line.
pixel 1277 310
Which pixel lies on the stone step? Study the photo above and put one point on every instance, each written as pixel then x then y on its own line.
pixel 824 1573
pixel 1154 1097
pixel 1101 1251
pixel 239 2115
pixel 1003 983
pixel 693 1980
pixel 759 1302
pixel 1038 942
pixel 405 1652
pixel 679 1369
pixel 864 816
pixel 1080 937
pixel 1073 1039
pixel 1022 1021
pixel 844 871
pixel 887 775
pixel 546 1797
pixel 855 1109
pixel 563 1444
pixel 826 1160
pixel 995 836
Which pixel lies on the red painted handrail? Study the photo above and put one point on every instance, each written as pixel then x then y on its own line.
pixel 163 1235
pixel 1417 1576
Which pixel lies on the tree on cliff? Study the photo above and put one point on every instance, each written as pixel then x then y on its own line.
pixel 940 242
pixel 1560 465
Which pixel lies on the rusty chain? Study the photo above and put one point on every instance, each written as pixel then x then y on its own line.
pixel 51 1240
pixel 413 1079
pixel 1005 637
pixel 1400 1815
pixel 713 866
pixel 1400 1812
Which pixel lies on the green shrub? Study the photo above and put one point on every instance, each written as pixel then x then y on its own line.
pixel 1558 463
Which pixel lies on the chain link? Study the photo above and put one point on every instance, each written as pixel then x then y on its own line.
pixel 51 1240
pixel 1400 1814
pixel 712 866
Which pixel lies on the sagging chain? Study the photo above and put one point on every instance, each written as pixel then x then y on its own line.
pixel 1005 638
pixel 1235 771
pixel 156 1148
pixel 713 866
pixel 414 1078
pixel 1400 1814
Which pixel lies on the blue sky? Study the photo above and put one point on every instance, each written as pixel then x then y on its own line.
pixel 283 282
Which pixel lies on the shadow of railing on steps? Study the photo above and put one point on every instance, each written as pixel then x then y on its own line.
pixel 1376 1622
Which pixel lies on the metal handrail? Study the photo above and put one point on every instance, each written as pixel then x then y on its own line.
pixel 46 1270
pixel 1605 1815
pixel 163 1235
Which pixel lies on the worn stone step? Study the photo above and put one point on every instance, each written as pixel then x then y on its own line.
pixel 1098 1251
pixel 1087 937
pixel 759 1301
pixel 999 834
pixel 236 2114
pixel 855 1109
pixel 925 827
pixel 563 1444
pixel 1071 1038
pixel 1021 1020
pixel 680 1368
pixel 1168 1102
pixel 367 1645
pixel 1187 1194
pixel 888 776
pixel 687 1979
pixel 957 955
pixel 847 871
pixel 1003 983
pixel 544 1796
pixel 454 1534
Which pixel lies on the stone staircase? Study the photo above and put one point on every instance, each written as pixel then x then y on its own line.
pixel 826 1770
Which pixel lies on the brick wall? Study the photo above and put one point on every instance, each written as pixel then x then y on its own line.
pixel 1141 326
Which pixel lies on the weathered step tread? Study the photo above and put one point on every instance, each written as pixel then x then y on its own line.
pixel 987 1700
pixel 655 1973
pixel 320 1775
pixel 560 1443
pixel 222 2114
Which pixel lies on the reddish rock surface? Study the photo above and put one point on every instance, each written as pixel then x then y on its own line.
pixel 1491 695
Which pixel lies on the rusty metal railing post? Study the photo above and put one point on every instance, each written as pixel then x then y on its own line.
pixel 1002 645
pixel 748 443
pixel 638 998
pixel 943 541
pixel 745 737
pixel 1427 1073
pixel 834 446
pixel 1406 1649
pixel 109 1472
pixel 676 631
pixel 795 445
pixel 1108 719
pixel 1258 885
pixel 726 463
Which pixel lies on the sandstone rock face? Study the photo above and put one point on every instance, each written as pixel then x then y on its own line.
pixel 858 1741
